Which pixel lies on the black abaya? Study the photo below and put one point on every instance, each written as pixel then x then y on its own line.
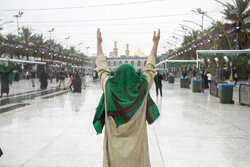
pixel 77 83
pixel 1 153
pixel 5 82
pixel 44 80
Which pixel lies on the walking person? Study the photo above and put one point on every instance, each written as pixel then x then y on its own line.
pixel 71 81
pixel 158 83
pixel 62 78
pixel 44 79
pixel 202 81
pixel 33 76
pixel 124 108
pixel 236 78
pixel 51 76
pixel 77 83
pixel 205 80
pixel 209 78
pixel 27 74
pixel 190 77
pixel 16 75
pixel 5 81
pixel 57 76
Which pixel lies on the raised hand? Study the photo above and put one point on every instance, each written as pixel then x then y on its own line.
pixel 99 36
pixel 156 38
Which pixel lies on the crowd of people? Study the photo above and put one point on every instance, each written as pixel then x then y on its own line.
pixel 77 79
pixel 205 76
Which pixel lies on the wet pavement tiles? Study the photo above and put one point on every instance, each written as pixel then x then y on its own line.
pixel 194 130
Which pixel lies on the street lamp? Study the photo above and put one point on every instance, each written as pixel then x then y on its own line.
pixel 50 31
pixel 17 16
pixel 67 41
pixel 202 15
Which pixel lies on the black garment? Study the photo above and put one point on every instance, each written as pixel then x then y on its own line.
pixel 33 75
pixel 16 76
pixel 1 153
pixel 206 81
pixel 44 80
pixel 5 82
pixel 51 76
pixel 194 73
pixel 159 79
pixel 62 76
pixel 57 77
pixel 159 84
pixel 70 86
pixel 77 83
pixel 236 80
pixel 157 88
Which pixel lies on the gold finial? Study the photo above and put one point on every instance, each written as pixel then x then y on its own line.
pixel 127 50
pixel 115 50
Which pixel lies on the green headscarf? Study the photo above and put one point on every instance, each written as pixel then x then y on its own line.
pixel 124 94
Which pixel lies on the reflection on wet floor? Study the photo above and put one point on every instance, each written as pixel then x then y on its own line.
pixel 13 107
pixel 17 100
pixel 55 95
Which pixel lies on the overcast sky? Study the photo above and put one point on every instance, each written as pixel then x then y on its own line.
pixel 131 23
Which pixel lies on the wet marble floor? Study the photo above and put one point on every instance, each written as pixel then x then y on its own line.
pixel 194 130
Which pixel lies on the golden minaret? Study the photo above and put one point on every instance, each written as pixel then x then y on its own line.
pixel 127 50
pixel 115 50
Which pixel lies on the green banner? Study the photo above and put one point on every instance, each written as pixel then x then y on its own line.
pixel 222 54
pixel 177 64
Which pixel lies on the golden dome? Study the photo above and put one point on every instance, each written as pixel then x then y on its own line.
pixel 139 53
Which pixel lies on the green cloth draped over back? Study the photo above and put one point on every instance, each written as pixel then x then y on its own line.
pixel 124 94
pixel 157 79
pixel 10 77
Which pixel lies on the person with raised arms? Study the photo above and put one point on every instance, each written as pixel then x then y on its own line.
pixel 124 109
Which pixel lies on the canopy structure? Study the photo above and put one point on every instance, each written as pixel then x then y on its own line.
pixel 174 63
pixel 222 53
pixel 21 61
